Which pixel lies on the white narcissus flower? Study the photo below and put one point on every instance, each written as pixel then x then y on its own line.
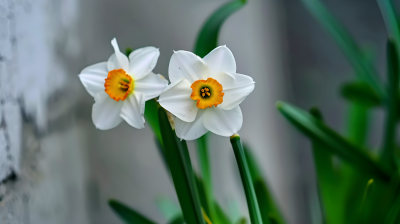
pixel 121 86
pixel 205 94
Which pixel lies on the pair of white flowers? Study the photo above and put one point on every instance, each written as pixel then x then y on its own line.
pixel 204 94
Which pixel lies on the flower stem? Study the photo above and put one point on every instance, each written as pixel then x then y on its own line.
pixel 254 211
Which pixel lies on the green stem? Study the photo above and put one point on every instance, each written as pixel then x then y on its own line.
pixel 251 198
pixel 358 123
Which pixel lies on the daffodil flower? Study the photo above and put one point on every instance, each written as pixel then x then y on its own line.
pixel 121 86
pixel 205 94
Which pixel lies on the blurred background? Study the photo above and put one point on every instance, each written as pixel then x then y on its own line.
pixel 55 167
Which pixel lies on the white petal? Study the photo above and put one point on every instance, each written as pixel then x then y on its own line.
pixel 191 130
pixel 133 109
pixel 152 85
pixel 142 61
pixel 117 60
pixel 176 99
pixel 185 64
pixel 105 111
pixel 93 77
pixel 223 122
pixel 236 88
pixel 220 60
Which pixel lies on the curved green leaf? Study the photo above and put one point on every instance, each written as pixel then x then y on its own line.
pixel 181 171
pixel 127 214
pixel 390 17
pixel 361 64
pixel 318 132
pixel 207 39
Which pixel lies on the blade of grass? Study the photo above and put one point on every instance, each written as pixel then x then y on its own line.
pixel 127 214
pixel 332 141
pixel 392 106
pixel 207 39
pixel 181 171
pixel 254 210
pixel 362 66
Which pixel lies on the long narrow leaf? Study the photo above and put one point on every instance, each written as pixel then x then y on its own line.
pixel 392 105
pixel 332 141
pixel 390 17
pixel 207 39
pixel 348 45
pixel 254 210
pixel 127 214
pixel 181 171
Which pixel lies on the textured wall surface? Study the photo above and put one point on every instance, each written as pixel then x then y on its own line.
pixel 42 165
pixel 55 167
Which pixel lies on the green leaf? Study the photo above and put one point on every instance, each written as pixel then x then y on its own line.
pixel 181 171
pixel 336 144
pixel 390 17
pixel 207 39
pixel 219 212
pixel 354 53
pixel 151 115
pixel 222 217
pixel 361 93
pixel 178 220
pixel 392 105
pixel 252 204
pixel 127 214
pixel 326 177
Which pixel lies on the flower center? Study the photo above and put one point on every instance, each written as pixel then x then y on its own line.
pixel 207 93
pixel 118 84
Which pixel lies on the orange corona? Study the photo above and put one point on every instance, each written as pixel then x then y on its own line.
pixel 118 84
pixel 207 93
